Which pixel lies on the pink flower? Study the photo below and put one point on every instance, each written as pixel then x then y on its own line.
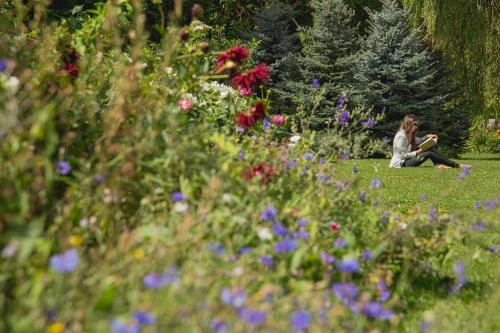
pixel 278 120
pixel 245 92
pixel 185 104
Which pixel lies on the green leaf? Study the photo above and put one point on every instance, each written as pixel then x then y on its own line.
pixel 105 300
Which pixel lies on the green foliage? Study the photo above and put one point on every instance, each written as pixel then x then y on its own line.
pixel 484 140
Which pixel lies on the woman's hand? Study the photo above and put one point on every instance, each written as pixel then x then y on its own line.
pixel 432 136
pixel 419 152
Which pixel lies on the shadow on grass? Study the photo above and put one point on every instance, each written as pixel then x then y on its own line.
pixel 480 159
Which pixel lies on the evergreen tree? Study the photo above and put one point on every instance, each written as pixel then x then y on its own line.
pixel 325 61
pixel 273 30
pixel 395 73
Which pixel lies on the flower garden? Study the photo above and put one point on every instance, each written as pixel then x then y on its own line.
pixel 152 187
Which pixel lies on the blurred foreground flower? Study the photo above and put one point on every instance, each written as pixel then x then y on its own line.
pixel 349 265
pixel 55 328
pixel 185 104
pixel 252 317
pixel 65 262
pixel 63 168
pixel 118 326
pixel 300 321
pixel 159 280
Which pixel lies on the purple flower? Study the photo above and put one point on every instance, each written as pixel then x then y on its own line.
pixel 302 234
pixel 344 117
pixel 118 326
pixel 490 204
pixel 63 168
pixel 344 155
pixel 269 214
pixel 65 262
pixel 279 229
pixel 465 172
pixel 477 205
pixel 308 156
pixel 159 280
pixel 315 83
pixel 286 245
pixel 252 317
pixel 368 123
pixel 321 161
pixel 246 249
pixel 354 169
pixel 346 292
pixel 424 196
pixel 300 320
pixel 494 249
pixel 385 294
pixel 367 255
pixel 217 248
pixel 349 265
pixel 242 155
pixel 239 130
pixel 266 124
pixel 178 196
pixel 461 278
pixel 340 102
pixel 267 261
pixel 433 214
pixel 362 196
pixel 340 243
pixel 326 258
pixel 376 183
pixel 479 226
pixel 3 65
pixel 218 326
pixel 375 310
pixel 144 318
pixel 303 222
pixel 425 326
pixel 235 298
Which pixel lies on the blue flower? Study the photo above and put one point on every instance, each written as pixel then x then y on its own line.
pixel 376 183
pixel 479 226
pixel 239 130
pixel 266 124
pixel 425 326
pixel 344 155
pixel 368 123
pixel 178 196
pixel 144 318
pixel 385 294
pixel 219 326
pixel 346 292
pixel 315 83
pixel 302 234
pixel 63 168
pixel 303 222
pixel 252 317
pixel 433 214
pixel 118 326
pixel 424 196
pixel 340 102
pixel 326 258
pixel 246 249
pixel 242 155
pixel 367 255
pixel 362 196
pixel 354 169
pixel 217 248
pixel 349 265
pixel 308 156
pixel 159 280
pixel 65 262
pixel 300 321
pixel 490 204
pixel 99 179
pixel 494 249
pixel 477 205
pixel 279 229
pixel 340 243
pixel 465 172
pixel 461 278
pixel 375 310
pixel 235 298
pixel 269 214
pixel 344 117
pixel 3 65
pixel 267 261
pixel 286 245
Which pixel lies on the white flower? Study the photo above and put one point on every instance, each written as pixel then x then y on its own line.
pixel 265 234
pixel 85 222
pixel 169 70
pixel 237 271
pixel 295 138
pixel 403 225
pixel 13 84
pixel 199 27
pixel 226 197
pixel 181 207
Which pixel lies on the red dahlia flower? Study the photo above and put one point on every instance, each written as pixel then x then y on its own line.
pixel 236 54
pixel 72 69
pixel 259 111
pixel 245 120
pixel 334 227
pixel 255 77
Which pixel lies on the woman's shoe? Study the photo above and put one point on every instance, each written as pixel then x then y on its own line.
pixel 442 166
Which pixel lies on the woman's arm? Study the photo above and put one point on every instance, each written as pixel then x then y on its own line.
pixel 401 147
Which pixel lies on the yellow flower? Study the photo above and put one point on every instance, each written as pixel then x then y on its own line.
pixel 138 254
pixel 374 279
pixel 76 240
pixel 55 328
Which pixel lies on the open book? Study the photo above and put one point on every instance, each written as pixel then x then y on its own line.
pixel 427 144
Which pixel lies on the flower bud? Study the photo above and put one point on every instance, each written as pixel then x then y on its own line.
pixel 184 34
pixel 204 47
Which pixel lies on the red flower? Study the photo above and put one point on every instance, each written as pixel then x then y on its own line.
pixel 236 54
pixel 72 69
pixel 259 111
pixel 255 77
pixel 264 171
pixel 245 120
pixel 334 227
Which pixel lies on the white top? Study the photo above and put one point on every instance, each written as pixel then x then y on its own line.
pixel 401 149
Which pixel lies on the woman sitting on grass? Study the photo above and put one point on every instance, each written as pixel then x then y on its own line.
pixel 405 150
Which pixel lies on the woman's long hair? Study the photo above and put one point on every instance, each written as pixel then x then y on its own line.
pixel 409 125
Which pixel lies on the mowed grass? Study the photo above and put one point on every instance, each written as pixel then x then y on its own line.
pixel 476 308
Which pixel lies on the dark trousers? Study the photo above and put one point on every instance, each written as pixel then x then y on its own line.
pixel 433 156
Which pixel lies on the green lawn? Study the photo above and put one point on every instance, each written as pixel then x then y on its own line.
pixel 476 307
